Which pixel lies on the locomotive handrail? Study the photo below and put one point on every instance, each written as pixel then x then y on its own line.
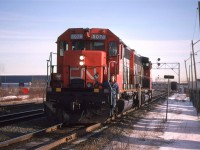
pixel 49 67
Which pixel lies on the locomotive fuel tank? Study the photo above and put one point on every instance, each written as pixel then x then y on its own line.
pixel 124 105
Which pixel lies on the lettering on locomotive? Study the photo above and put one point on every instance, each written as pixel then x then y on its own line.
pixel 98 37
pixel 77 72
pixel 76 36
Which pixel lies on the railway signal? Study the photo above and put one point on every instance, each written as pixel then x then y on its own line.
pixel 168 77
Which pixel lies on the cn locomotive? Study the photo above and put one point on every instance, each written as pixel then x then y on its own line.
pixel 86 58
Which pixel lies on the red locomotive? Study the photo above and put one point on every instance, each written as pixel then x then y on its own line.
pixel 86 58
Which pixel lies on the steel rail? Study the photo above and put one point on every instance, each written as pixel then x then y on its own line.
pixel 29 136
pixel 71 137
pixel 11 118
pixel 16 105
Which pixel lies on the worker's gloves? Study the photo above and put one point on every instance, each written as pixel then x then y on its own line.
pixel 118 96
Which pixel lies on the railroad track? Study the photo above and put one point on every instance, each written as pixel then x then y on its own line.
pixel 16 117
pixel 17 105
pixel 47 138
pixel 52 137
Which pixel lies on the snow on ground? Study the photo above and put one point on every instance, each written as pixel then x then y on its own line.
pixel 183 125
pixel 20 99
pixel 13 97
pixel 180 131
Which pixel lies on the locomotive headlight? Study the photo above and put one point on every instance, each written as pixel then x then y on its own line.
pixel 81 63
pixel 82 57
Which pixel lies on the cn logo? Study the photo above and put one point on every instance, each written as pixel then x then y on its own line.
pixel 77 73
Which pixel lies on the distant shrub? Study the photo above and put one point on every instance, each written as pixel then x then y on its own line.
pixel 9 91
pixel 37 89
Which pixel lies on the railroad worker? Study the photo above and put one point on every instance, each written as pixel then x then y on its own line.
pixel 114 91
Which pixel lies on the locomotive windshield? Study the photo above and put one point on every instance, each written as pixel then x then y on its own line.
pixel 97 45
pixel 78 45
pixel 83 45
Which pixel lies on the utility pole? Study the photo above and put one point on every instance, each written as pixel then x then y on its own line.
pixel 187 74
pixel 195 71
pixel 195 74
pixel 199 12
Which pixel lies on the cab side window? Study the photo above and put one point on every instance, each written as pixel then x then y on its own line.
pixel 112 49
pixel 63 46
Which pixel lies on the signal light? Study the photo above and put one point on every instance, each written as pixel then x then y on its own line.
pixel 158 63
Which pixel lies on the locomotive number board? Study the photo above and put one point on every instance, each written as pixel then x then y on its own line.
pixel 98 37
pixel 93 36
pixel 76 36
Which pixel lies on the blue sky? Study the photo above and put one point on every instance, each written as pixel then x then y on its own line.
pixel 154 28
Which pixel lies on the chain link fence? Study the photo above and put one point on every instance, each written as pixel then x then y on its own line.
pixel 195 98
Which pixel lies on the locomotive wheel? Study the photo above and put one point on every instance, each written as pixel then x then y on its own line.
pixel 100 111
pixel 62 116
pixel 49 114
pixel 116 110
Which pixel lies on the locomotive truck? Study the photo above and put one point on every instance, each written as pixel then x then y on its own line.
pixel 86 58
